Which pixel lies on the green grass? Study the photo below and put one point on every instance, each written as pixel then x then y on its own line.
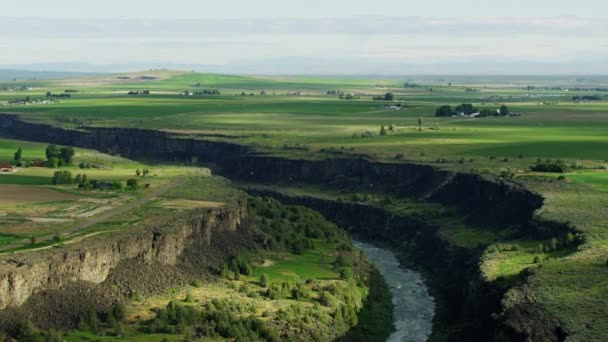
pixel 204 188
pixel 24 180
pixel 6 239
pixel 571 288
pixel 31 150
pixel 299 267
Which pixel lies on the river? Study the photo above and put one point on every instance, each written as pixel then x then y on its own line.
pixel 414 307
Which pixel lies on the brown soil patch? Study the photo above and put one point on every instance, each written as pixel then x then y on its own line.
pixel 266 263
pixel 189 204
pixel 289 274
pixel 94 211
pixel 17 194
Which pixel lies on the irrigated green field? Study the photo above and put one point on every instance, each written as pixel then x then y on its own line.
pixel 295 117
pixel 298 111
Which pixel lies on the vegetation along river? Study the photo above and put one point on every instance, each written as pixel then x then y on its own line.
pixel 413 305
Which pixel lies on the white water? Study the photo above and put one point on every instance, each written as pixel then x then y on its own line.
pixel 414 307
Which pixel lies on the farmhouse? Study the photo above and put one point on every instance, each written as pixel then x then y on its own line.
pixel 6 167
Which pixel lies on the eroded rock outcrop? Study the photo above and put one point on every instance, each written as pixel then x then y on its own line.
pixel 92 260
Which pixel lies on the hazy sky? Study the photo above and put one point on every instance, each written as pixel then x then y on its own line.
pixel 311 36
pixel 305 8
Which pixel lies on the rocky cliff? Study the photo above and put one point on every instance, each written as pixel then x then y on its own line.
pixel 483 199
pixel 492 200
pixel 24 274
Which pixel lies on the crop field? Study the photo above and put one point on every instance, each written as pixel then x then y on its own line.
pixel 18 194
pixel 298 112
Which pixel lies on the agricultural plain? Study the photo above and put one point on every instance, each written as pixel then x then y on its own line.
pixel 559 121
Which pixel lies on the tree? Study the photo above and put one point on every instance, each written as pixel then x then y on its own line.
pixel 18 155
pixel 52 155
pixel 389 97
pixel 54 336
pixel 486 112
pixel 119 311
pixel 145 172
pixel 553 244
pixel 66 154
pixel 138 172
pixel 420 123
pixel 466 108
pixel 92 320
pixel 62 177
pixel 444 111
pixel 132 184
pixel 504 110
pixel 28 332
pixel 264 280
pixel 569 238
pixel 382 130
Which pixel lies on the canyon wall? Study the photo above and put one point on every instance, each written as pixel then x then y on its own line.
pixel 482 198
pixel 92 260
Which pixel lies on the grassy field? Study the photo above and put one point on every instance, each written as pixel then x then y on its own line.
pixel 295 117
pixel 33 211
pixel 552 125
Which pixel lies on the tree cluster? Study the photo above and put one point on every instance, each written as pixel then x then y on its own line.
pixel 51 95
pixel 292 228
pixel 468 109
pixel 549 165
pixel 58 156
pixel 587 98
pixel 385 97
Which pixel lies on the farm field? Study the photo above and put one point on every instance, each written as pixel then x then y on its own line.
pixel 35 213
pixel 300 113
pixel 303 117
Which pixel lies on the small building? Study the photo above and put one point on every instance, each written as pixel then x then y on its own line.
pixel 6 167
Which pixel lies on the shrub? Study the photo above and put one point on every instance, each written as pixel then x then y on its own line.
pixel 53 336
pixel 132 184
pixel 119 311
pixel 550 166
pixel 189 298
pixel 28 332
pixel 264 280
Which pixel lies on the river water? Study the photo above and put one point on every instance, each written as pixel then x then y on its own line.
pixel 413 305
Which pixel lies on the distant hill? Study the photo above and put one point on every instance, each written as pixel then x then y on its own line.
pixel 10 74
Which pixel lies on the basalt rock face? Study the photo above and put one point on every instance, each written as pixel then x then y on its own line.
pixel 481 198
pixel 466 302
pixel 93 260
pixel 127 142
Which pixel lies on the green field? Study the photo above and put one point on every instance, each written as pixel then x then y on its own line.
pixel 295 117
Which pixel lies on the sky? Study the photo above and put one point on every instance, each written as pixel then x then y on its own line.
pixel 308 37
